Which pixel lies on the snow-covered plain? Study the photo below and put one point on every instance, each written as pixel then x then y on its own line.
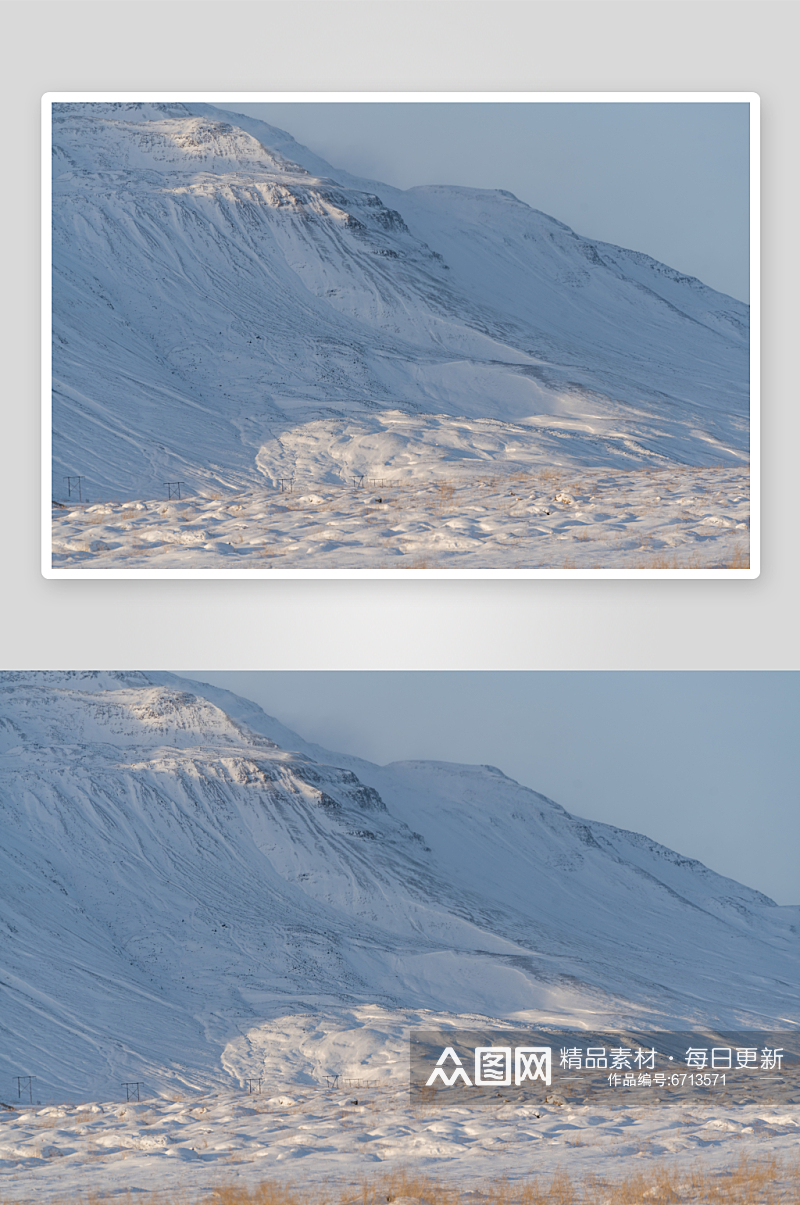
pixel 192 896
pixel 306 1137
pixel 231 312
pixel 650 519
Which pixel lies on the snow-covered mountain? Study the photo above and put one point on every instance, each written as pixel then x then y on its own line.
pixel 229 309
pixel 182 875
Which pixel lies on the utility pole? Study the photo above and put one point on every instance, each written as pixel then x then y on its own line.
pixel 76 486
pixel 25 1081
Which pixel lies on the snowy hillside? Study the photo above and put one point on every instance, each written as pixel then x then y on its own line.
pixel 230 310
pixel 192 894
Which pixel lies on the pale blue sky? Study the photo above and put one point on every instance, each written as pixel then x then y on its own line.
pixel 669 179
pixel 706 763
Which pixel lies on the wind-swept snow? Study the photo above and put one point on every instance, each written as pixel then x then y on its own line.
pixel 554 519
pixel 229 311
pixel 313 1138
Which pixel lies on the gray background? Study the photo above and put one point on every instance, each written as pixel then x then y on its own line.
pixel 413 624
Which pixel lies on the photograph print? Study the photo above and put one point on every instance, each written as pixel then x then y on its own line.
pixel 381 335
pixel 319 938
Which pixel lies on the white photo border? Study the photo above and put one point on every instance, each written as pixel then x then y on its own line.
pixel 226 98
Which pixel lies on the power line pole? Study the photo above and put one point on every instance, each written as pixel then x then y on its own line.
pixel 25 1081
pixel 71 487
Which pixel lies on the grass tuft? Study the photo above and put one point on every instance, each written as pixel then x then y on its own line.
pixel 749 1182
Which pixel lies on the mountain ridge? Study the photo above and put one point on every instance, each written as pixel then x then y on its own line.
pixel 215 301
pixel 172 877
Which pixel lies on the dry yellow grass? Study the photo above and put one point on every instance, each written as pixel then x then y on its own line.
pixel 420 562
pixel 551 478
pixel 443 497
pixel 55 1122
pixel 750 1182
pixel 664 561
pixel 740 559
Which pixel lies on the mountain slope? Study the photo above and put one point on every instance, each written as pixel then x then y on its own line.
pixel 217 304
pixel 173 879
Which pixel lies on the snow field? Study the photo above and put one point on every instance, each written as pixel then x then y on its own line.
pixel 330 1141
pixel 550 518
